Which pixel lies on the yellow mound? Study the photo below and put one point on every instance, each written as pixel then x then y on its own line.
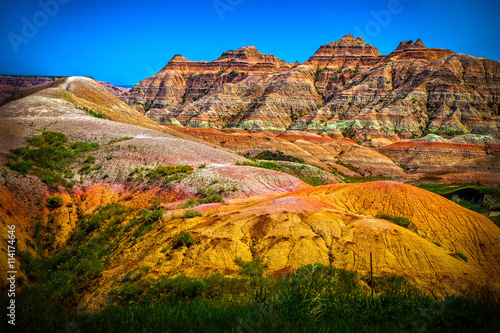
pixel 331 225
pixel 436 219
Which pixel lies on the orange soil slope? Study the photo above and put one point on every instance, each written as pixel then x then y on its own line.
pixel 334 225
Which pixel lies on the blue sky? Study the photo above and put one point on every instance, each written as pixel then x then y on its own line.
pixel 123 42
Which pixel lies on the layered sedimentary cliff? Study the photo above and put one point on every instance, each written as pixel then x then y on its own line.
pixel 347 89
pixel 346 85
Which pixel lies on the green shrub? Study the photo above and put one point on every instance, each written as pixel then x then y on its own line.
pixel 54 202
pixel 402 221
pixel 206 196
pixel 277 156
pixel 190 213
pixel 167 173
pixel 90 159
pixel 116 140
pixel 82 147
pixel 22 167
pixel 94 113
pixel 153 216
pixel 48 156
pixel 254 268
pixel 183 238
pixel 69 174
pixel 462 256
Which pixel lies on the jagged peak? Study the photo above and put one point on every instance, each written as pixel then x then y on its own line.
pixel 411 45
pixel 349 40
pixel 417 50
pixel 178 58
pixel 247 54
pixel 347 45
pixel 250 48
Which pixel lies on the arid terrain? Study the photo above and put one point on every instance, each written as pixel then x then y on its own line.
pixel 206 167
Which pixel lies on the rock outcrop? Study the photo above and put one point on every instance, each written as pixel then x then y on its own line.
pixel 347 89
pixel 345 85
pixel 267 213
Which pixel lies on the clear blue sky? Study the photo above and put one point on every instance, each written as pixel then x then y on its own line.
pixel 123 42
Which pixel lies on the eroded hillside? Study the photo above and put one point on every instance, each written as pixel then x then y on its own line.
pixel 82 169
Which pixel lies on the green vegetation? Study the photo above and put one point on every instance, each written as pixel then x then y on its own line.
pixel 470 206
pixel 147 105
pixel 347 165
pixel 485 207
pixel 446 134
pixel 277 156
pixel 400 220
pixel 442 189
pixel 116 140
pixel 188 214
pixel 262 164
pixel 49 155
pixel 462 256
pixel 314 298
pixel 204 197
pixel 297 170
pixel 349 131
pixel 94 113
pixel 160 174
pixel 317 73
pixel 254 268
pixel 183 238
pixel 54 202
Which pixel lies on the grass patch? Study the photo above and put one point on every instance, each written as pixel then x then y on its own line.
pixel 313 298
pixel 160 174
pixel 49 155
pixel 183 238
pixel 254 268
pixel 94 113
pixel 204 197
pixel 447 134
pixel 188 214
pixel 470 206
pixel 448 188
pixel 462 256
pixel 296 171
pixel 116 140
pixel 277 156
pixel 347 165
pixel 400 220
pixel 54 202
pixel 262 164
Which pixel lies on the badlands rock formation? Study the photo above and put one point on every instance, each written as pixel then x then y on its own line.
pixel 335 225
pixel 345 86
pixel 347 89
pixel 128 140
pixel 266 214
